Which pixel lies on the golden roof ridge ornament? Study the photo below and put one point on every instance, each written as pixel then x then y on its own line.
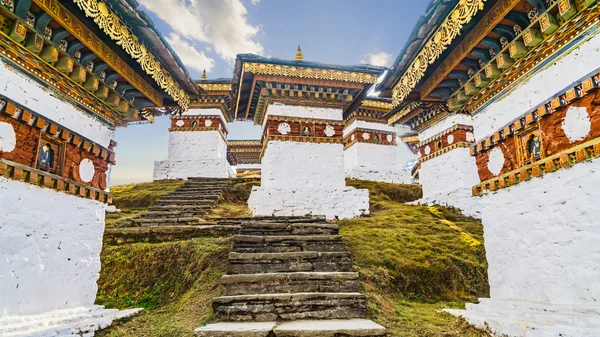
pixel 204 75
pixel 462 14
pixel 299 56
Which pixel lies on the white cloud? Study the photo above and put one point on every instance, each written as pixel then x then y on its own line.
pixel 378 59
pixel 222 24
pixel 189 55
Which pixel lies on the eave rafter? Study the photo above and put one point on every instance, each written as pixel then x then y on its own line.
pixel 462 14
pixel 112 26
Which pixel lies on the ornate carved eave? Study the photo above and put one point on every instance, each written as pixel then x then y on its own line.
pixel 462 14
pixel 112 26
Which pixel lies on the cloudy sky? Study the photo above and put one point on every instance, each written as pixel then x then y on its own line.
pixel 207 34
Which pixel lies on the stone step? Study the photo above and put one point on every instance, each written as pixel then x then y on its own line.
pixel 273 307
pixel 295 228
pixel 251 263
pixel 168 221
pixel 190 202
pixel 187 197
pixel 330 282
pixel 173 214
pixel 330 328
pixel 164 233
pixel 287 243
pixel 316 328
pixel 175 207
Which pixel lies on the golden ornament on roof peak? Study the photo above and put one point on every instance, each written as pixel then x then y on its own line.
pixel 299 56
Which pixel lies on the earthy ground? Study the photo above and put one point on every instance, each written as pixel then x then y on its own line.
pixel 414 261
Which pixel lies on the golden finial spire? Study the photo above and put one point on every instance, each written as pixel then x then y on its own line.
pixel 204 75
pixel 299 54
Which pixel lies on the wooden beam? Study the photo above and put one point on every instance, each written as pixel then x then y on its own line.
pixel 485 26
pixel 309 81
pixel 76 28
pixel 250 97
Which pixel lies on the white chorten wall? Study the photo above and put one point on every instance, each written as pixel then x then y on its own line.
pixel 448 179
pixel 301 178
pixel 195 153
pixel 542 236
pixel 50 241
pixel 375 162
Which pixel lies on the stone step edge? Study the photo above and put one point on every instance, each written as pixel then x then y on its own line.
pixel 278 238
pixel 285 296
pixel 321 328
pixel 234 256
pixel 253 278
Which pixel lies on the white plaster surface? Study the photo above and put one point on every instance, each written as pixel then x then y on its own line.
pixel 280 109
pixel 368 125
pixel 205 112
pixel 8 139
pixel 86 170
pixel 444 124
pixel 576 123
pixel 76 322
pixel 194 154
pixel 300 178
pixel 29 93
pixel 539 88
pixel 374 162
pixel 495 161
pixel 541 241
pixel 448 180
pixel 50 249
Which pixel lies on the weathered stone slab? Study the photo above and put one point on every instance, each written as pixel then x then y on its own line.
pixel 154 234
pixel 236 329
pixel 269 307
pixel 288 228
pixel 330 328
pixel 249 263
pixel 287 243
pixel 245 284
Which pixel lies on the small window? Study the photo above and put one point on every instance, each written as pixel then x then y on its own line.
pixel 50 155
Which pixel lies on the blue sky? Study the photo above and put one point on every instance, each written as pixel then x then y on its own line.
pixel 207 34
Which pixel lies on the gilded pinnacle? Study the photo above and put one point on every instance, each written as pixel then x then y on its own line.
pixel 204 75
pixel 299 54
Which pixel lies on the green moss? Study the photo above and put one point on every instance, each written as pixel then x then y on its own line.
pixel 415 261
pixel 142 195
pixel 234 202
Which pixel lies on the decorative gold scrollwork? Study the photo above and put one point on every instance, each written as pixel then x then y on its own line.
pixel 312 73
pixel 462 14
pixel 118 32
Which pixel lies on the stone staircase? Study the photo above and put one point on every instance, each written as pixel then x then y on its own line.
pixel 290 277
pixel 187 205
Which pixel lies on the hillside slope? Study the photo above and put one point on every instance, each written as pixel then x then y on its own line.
pixel 414 261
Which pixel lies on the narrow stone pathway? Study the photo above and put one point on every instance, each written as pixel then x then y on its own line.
pixel 187 205
pixel 290 277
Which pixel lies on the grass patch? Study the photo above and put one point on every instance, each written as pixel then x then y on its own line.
pixel 234 202
pixel 143 195
pixel 415 261
pixel 174 281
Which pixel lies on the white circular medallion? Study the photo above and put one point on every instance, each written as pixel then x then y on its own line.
pixel 284 128
pixel 208 122
pixel 179 123
pixel 352 137
pixel 427 149
pixel 8 139
pixel 366 136
pixel 576 124
pixel 470 137
pixel 389 138
pixel 86 170
pixel 329 130
pixel 495 161
pixel 450 139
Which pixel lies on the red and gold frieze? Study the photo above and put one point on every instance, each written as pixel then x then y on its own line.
pixel 458 136
pixel 199 123
pixel 44 146
pixel 303 127
pixel 560 133
pixel 361 135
